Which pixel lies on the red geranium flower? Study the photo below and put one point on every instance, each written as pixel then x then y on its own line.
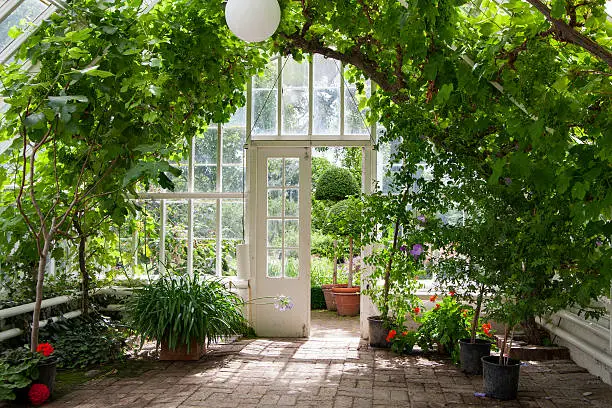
pixel 437 306
pixel 45 349
pixel 391 335
pixel 38 394
pixel 433 298
pixel 486 328
pixel 417 310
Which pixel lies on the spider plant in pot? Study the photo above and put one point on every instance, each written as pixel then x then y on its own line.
pixel 184 313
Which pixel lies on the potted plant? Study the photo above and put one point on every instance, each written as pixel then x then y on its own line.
pixel 333 186
pixel 393 282
pixel 26 375
pixel 344 220
pixel 183 313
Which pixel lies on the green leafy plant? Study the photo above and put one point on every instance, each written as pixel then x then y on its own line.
pixel 86 341
pixel 336 184
pixel 185 309
pixel 18 368
pixel 402 340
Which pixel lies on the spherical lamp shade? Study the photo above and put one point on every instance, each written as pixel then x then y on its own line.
pixel 252 20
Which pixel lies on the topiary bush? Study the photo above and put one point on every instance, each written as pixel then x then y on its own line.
pixel 317 300
pixel 336 184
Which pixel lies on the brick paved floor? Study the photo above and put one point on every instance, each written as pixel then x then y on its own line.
pixel 331 369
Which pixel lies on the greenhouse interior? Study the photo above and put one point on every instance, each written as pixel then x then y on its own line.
pixel 306 203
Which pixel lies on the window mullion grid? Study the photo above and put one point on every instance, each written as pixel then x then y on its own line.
pixel 190 206
pixel 342 101
pixel 310 96
pixel 279 93
pixel 218 227
pixel 162 236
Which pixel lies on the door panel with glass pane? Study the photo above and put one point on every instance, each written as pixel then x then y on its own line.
pixel 283 245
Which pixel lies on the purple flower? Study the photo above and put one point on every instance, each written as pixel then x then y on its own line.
pixel 508 181
pixel 598 243
pixel 417 249
pixel 403 248
pixel 422 219
pixel 283 303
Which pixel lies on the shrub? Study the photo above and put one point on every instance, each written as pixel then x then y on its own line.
pixel 317 300
pixel 336 184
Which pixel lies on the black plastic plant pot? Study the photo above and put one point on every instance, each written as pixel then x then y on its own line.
pixel 471 354
pixel 500 381
pixel 378 332
pixel 46 373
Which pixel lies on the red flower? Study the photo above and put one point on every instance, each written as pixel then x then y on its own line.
pixel 404 333
pixel 464 312
pixel 433 298
pixel 437 306
pixel 38 394
pixel 391 335
pixel 452 293
pixel 486 328
pixel 417 310
pixel 45 349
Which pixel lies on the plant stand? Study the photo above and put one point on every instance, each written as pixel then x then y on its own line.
pixel 330 300
pixel 472 353
pixel 347 300
pixel 378 332
pixel 180 353
pixel 500 381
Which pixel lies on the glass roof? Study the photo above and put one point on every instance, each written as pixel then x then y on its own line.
pixel 19 15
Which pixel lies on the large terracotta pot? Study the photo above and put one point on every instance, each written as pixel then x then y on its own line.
pixel 180 353
pixel 330 301
pixel 347 300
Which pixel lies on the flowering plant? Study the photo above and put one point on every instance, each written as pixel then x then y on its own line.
pixel 45 349
pixel 402 342
pixel 38 394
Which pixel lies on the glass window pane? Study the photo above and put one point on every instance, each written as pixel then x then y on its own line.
pixel 353 118
pixel 291 203
pixel 268 78
pixel 233 144
pixel 295 74
pixel 292 264
pixel 204 219
pixel 204 256
pixel 148 234
pixel 238 118
pixel 206 146
pixel 326 115
pixel 180 182
pixel 231 219
pixel 292 233
pixel 232 179
pixel 274 263
pixel 295 111
pixel 205 178
pixel 275 172
pixel 326 72
pixel 274 202
pixel 275 233
pixel 176 236
pixel 28 11
pixel 228 256
pixel 292 172
pixel 264 112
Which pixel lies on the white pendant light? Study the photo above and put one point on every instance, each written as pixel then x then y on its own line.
pixel 252 20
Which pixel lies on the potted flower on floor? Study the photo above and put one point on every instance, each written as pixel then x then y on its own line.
pixel 344 220
pixel 184 313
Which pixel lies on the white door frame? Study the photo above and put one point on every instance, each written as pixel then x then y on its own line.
pixel 266 320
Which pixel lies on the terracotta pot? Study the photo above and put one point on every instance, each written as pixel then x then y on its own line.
pixel 180 353
pixel 330 301
pixel 347 300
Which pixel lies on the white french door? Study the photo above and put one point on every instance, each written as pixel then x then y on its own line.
pixel 283 241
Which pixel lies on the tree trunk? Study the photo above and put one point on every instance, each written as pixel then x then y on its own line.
pixel 42 264
pixel 385 311
pixel 350 267
pixel 335 276
pixel 83 268
pixel 476 314
pixel 533 332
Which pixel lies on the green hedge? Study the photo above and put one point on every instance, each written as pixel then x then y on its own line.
pixel 317 300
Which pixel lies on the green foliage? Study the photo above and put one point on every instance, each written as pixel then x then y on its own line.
pixel 184 309
pixel 18 368
pixel 86 341
pixel 317 299
pixel 336 184
pixel 345 219
pixel 403 340
pixel 444 325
